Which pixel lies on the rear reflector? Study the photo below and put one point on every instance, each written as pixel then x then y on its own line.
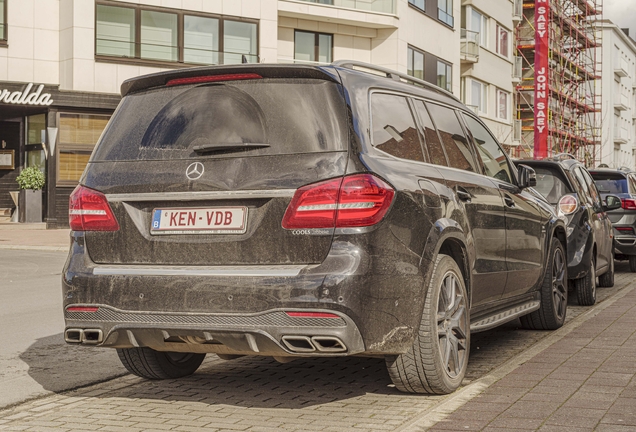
pixel 212 78
pixel 311 315
pixel 628 204
pixel 89 211
pixel 353 201
pixel 82 309
pixel 626 230
pixel 567 204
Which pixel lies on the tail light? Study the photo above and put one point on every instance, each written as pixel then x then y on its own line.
pixel 628 204
pixel 567 204
pixel 353 201
pixel 89 211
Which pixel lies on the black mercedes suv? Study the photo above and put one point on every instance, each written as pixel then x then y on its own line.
pixel 567 185
pixel 292 211
pixel 622 183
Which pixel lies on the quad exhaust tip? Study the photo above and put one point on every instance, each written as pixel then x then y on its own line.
pixel 83 336
pixel 306 344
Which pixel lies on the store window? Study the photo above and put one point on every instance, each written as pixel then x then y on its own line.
pixel 503 105
pixel 35 138
pixel 503 36
pixel 78 134
pixel 415 63
pixel 445 12
pixel 3 21
pixel 311 47
pixel 134 33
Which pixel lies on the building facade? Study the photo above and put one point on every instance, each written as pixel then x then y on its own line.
pixel 62 61
pixel 486 50
pixel 618 146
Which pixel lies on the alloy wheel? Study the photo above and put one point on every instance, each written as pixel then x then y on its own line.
pixel 559 285
pixel 452 325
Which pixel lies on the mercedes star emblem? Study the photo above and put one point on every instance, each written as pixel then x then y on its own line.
pixel 195 170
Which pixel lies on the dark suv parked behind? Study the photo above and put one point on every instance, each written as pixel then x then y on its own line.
pixel 622 183
pixel 291 211
pixel 568 186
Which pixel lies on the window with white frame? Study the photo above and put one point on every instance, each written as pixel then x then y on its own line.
pixel 479 96
pixel 444 75
pixel 503 105
pixel 478 22
pixel 503 36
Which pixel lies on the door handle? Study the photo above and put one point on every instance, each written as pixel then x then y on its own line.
pixel 509 201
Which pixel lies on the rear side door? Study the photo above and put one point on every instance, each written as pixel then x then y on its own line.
pixel 402 161
pixel 477 197
pixel 523 217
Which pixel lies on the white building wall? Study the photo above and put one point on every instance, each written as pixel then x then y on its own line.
pixel 491 68
pixel 618 135
pixel 53 41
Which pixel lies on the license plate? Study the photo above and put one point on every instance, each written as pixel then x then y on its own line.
pixel 206 220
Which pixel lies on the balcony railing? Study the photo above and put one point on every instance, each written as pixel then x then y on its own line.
pixel 469 46
pixel 383 6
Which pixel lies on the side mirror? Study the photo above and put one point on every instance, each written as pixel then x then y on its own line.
pixel 527 176
pixel 612 202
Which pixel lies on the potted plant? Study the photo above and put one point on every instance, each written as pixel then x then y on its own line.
pixel 31 181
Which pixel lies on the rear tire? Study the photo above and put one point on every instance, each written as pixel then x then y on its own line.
pixel 586 286
pixel 437 361
pixel 606 280
pixel 151 364
pixel 632 263
pixel 554 293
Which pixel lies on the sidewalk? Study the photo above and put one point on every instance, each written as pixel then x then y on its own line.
pixel 585 381
pixel 33 237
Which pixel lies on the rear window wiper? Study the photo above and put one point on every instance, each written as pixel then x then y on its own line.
pixel 213 148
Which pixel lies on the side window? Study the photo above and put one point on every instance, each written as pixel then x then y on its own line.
pixel 457 148
pixel 632 184
pixel 594 193
pixel 578 173
pixel 432 142
pixel 492 157
pixel 394 130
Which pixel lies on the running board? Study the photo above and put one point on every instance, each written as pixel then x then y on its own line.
pixel 493 321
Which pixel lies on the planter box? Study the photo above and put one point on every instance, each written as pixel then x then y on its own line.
pixel 30 206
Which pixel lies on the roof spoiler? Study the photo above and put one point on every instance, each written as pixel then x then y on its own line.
pixel 261 70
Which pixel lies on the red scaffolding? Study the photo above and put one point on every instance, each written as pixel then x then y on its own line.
pixel 558 99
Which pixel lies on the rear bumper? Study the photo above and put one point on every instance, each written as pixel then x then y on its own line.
pixel 233 310
pixel 625 245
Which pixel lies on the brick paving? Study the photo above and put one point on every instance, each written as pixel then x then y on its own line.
pixel 578 378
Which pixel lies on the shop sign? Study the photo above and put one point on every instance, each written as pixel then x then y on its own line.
pixel 541 16
pixel 26 97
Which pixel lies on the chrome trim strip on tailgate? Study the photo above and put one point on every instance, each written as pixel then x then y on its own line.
pixel 198 195
pixel 250 271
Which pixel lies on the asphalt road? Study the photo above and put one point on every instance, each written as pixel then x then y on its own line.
pixel 34 359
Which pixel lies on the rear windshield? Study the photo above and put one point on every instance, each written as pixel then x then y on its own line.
pixel 611 183
pixel 551 185
pixel 287 116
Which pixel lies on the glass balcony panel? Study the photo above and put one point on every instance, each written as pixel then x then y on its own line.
pixel 383 6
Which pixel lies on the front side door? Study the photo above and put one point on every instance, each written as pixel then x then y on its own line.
pixel 523 218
